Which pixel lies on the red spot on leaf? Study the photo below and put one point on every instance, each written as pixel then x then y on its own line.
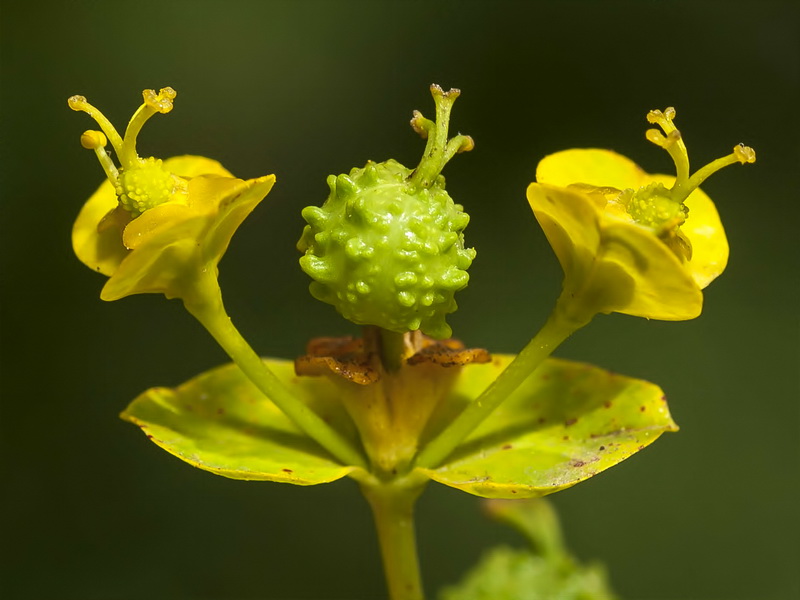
pixel 507 447
pixel 287 470
pixel 607 404
pixel 569 422
pixel 642 408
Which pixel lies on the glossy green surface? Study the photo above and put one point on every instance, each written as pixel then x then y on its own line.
pixel 387 246
pixel 386 254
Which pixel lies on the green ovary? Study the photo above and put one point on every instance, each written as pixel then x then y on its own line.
pixel 653 206
pixel 385 252
pixel 145 186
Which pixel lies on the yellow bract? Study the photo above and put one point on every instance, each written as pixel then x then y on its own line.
pixel 154 225
pixel 158 250
pixel 611 263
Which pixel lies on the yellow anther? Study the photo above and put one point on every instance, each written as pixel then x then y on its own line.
pixel 161 102
pixel 744 154
pixel 96 140
pixel 92 140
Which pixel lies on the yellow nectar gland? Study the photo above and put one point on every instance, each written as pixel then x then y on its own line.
pixel 662 209
pixel 140 184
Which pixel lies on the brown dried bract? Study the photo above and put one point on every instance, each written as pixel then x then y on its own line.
pixel 448 353
pixel 358 361
pixel 344 356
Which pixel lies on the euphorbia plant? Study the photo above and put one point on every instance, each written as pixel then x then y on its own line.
pixel 406 403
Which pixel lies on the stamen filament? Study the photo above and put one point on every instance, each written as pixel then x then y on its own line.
pixel 140 184
pixel 79 103
pixel 128 156
pixel 661 209
pixel 673 143
pixel 108 165
pixel 153 103
pixel 95 140
pixel 681 190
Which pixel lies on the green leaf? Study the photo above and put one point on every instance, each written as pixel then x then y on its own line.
pixel 566 423
pixel 509 574
pixel 544 570
pixel 220 422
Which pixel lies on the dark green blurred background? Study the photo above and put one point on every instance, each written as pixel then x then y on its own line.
pixel 304 89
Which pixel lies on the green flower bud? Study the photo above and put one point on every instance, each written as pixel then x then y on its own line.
pixel 386 248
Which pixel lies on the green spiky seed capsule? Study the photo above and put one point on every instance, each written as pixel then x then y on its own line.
pixel 386 248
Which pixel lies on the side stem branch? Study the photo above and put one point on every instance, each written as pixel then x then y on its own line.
pixel 557 329
pixel 205 304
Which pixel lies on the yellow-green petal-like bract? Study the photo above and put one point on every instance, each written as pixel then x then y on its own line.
pixel 152 252
pixel 611 262
pixel 568 422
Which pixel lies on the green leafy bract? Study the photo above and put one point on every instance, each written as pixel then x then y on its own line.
pixel 544 570
pixel 222 423
pixel 566 423
pixel 509 574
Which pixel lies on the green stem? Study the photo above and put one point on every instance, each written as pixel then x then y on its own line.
pixel 392 348
pixel 205 304
pixel 393 509
pixel 559 327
